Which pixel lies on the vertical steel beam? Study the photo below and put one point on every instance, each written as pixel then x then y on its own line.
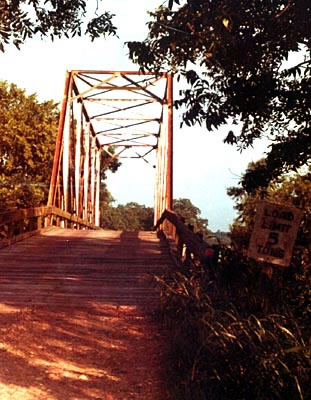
pixel 72 142
pixel 92 183
pixel 66 154
pixel 158 186
pixel 77 160
pixel 86 171
pixel 59 142
pixel 156 196
pixel 163 182
pixel 81 182
pixel 164 175
pixel 169 149
pixel 97 172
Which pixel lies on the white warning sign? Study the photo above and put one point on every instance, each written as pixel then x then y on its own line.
pixel 274 234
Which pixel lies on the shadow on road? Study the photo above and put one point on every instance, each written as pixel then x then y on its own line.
pixel 76 317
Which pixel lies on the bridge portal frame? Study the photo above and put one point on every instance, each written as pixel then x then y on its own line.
pixel 75 180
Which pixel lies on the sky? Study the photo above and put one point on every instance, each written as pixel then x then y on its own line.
pixel 204 167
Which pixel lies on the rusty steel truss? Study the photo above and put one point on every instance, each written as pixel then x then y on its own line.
pixel 125 114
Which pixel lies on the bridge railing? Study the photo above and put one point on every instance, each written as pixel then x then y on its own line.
pixel 189 245
pixel 19 224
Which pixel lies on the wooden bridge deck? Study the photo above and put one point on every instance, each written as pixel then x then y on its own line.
pixel 69 267
pixel 75 318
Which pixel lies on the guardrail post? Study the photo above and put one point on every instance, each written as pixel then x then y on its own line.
pixel 40 223
pixel 21 226
pixel 10 230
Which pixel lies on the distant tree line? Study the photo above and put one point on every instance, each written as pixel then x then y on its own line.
pixel 134 217
pixel 129 217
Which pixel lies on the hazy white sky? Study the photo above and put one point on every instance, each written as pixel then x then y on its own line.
pixel 203 166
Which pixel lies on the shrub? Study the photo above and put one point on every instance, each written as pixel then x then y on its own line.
pixel 236 334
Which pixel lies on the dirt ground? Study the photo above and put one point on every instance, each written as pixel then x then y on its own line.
pixel 102 352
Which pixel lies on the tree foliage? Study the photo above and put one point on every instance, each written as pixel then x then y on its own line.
pixel 233 55
pixel 129 217
pixel 108 162
pixel 27 140
pixel 191 215
pixel 22 19
pixel 135 217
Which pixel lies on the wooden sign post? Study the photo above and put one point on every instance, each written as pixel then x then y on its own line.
pixel 274 233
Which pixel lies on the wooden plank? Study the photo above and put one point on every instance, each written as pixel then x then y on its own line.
pixel 40 213
pixel 73 218
pixel 17 215
pixel 64 266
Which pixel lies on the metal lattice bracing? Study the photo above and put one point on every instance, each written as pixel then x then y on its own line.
pixel 127 115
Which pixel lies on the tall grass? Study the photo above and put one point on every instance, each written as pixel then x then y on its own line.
pixel 236 334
